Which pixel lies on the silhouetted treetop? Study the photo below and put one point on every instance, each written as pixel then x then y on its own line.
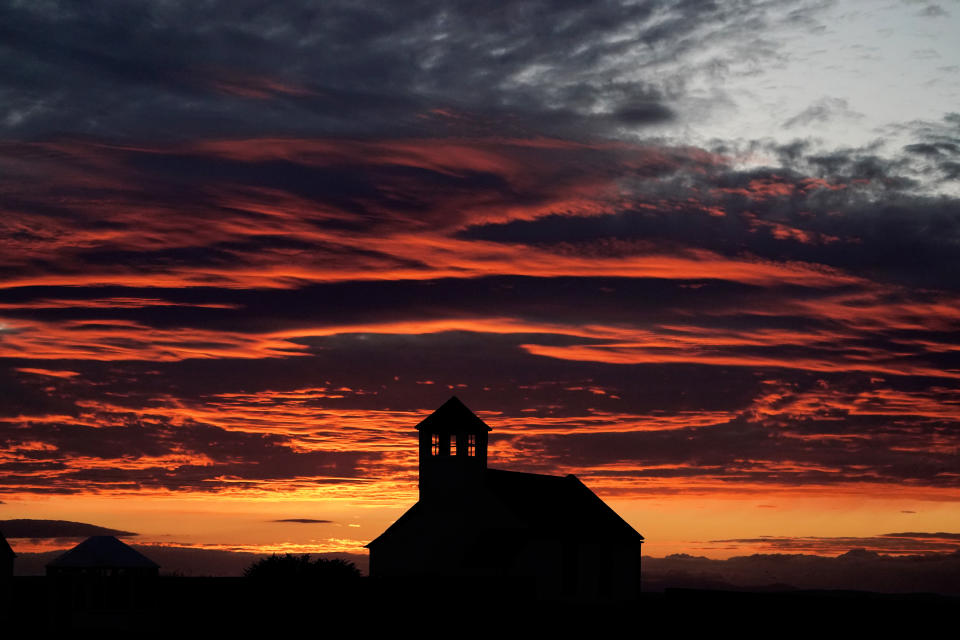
pixel 300 567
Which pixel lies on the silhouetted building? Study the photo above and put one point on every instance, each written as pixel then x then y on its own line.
pixel 6 558
pixel 103 556
pixel 550 536
pixel 6 577
pixel 100 583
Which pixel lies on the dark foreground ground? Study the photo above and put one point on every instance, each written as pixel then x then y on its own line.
pixel 193 607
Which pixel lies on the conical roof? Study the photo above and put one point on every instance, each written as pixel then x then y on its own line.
pixel 453 417
pixel 103 552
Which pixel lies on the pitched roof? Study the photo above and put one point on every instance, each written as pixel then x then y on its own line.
pixel 5 549
pixel 453 415
pixel 409 517
pixel 558 506
pixel 549 507
pixel 106 552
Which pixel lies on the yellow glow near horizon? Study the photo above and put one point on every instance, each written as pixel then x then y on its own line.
pixel 712 526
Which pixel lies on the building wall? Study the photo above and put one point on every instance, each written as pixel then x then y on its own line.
pixel 555 569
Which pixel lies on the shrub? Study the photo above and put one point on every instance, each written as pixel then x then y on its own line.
pixel 300 567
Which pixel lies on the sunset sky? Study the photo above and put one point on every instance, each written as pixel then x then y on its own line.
pixel 706 256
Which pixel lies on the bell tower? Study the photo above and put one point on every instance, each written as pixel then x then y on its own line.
pixel 453 451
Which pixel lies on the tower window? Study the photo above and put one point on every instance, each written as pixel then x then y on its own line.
pixel 453 444
pixel 471 445
pixel 435 447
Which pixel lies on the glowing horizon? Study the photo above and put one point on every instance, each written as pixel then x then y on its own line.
pixel 685 253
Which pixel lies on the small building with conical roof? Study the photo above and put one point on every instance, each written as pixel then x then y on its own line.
pixel 103 556
pixel 100 583
pixel 549 533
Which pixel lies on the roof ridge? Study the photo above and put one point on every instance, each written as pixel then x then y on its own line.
pixel 453 412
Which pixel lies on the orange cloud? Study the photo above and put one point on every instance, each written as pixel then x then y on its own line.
pixel 632 353
pixel 54 373
pixel 102 340
pixel 108 303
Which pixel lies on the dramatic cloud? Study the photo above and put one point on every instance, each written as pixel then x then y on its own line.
pixel 351 68
pixel 821 111
pixel 24 528
pixel 247 248
pixel 304 521
pixel 902 544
